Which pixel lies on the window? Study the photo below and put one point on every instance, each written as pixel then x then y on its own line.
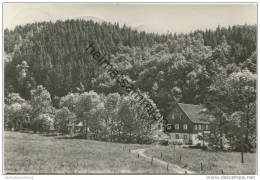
pixel 207 127
pixel 185 137
pixel 185 126
pixel 200 137
pixel 177 136
pixel 199 127
pixel 195 126
pixel 176 126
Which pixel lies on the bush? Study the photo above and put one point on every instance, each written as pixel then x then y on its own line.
pixel 42 123
pixel 61 121
pixel 164 142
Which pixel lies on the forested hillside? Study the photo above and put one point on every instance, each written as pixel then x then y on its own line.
pixel 181 66
pixel 195 68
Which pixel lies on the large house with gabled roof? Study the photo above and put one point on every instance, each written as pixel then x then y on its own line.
pixel 190 124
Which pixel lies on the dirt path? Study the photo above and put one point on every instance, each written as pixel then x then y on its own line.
pixel 172 167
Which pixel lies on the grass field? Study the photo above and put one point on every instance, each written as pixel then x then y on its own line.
pixel 35 153
pixel 212 162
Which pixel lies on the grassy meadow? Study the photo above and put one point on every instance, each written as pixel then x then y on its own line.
pixel 36 153
pixel 212 162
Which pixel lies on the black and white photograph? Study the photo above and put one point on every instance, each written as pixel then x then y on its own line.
pixel 129 88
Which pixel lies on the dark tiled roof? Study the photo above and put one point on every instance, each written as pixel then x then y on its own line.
pixel 196 113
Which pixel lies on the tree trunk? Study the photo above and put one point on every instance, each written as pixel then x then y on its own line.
pixel 111 134
pixel 221 136
pixel 247 132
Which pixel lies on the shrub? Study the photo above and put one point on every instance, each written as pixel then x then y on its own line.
pixel 42 123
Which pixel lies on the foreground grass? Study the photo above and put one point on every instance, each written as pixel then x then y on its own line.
pixel 212 162
pixel 34 153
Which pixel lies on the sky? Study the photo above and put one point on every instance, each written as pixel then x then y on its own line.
pixel 161 18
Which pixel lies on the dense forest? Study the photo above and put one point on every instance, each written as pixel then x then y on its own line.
pixel 216 68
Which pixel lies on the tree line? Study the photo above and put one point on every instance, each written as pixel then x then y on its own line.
pixel 111 118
